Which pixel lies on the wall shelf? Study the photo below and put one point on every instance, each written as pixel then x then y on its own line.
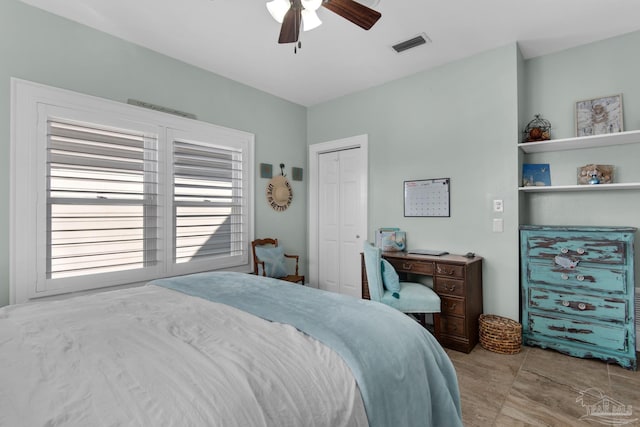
pixel 621 138
pixel 598 187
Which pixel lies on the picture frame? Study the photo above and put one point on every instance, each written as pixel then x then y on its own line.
pixel 266 170
pixel 536 175
pixel 599 116
pixel 296 174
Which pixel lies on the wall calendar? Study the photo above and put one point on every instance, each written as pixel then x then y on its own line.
pixel 427 197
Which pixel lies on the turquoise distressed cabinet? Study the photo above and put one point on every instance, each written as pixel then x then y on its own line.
pixel 578 291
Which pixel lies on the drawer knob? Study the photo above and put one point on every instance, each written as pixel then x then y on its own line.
pixel 580 251
pixel 564 250
pixel 407 266
pixel 564 276
pixel 451 288
pixel 451 306
pixel 580 278
pixel 565 303
pixel 445 271
pixel 582 306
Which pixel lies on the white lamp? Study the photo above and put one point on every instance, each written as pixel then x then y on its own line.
pixel 310 20
pixel 279 8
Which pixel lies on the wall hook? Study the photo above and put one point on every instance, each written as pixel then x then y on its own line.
pixel 282 169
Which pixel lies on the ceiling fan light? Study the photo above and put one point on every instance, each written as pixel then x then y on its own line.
pixel 312 5
pixel 278 8
pixel 310 20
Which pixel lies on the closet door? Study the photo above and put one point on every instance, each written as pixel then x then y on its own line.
pixel 341 219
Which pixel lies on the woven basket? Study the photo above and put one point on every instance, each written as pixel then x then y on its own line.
pixel 499 334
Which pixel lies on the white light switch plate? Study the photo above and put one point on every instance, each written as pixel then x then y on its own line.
pixel 498 225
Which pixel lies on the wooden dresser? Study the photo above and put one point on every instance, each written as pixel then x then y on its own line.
pixel 578 291
pixel 458 282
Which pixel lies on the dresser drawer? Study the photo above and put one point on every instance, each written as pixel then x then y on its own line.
pixel 453 306
pixel 588 307
pixel 593 278
pixel 412 266
pixel 450 270
pixel 446 286
pixel 574 331
pixel 577 247
pixel 452 326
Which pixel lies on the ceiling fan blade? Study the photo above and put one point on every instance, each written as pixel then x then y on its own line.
pixel 290 30
pixel 355 12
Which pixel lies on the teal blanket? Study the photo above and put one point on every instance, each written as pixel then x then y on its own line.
pixel 405 377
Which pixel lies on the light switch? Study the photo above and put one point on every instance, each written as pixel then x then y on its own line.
pixel 498 225
pixel 498 205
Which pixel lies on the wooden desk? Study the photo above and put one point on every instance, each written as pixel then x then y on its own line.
pixel 458 282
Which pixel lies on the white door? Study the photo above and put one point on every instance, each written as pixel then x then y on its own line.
pixel 340 206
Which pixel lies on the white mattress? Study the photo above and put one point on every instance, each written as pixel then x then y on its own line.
pixel 150 356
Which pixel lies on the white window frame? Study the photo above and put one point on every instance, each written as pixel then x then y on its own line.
pixel 31 106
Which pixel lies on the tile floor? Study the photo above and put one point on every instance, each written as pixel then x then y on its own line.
pixel 542 388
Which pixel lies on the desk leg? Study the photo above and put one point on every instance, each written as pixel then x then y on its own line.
pixel 436 326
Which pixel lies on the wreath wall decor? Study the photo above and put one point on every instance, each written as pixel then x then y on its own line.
pixel 279 193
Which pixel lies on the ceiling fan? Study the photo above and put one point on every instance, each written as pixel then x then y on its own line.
pixel 294 14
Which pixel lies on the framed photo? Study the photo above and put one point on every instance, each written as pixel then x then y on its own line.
pixel 296 174
pixel 536 175
pixel 266 170
pixel 599 116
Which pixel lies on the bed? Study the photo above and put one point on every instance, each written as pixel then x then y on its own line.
pixel 220 349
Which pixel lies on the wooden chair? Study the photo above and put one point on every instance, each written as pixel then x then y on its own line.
pixel 414 298
pixel 294 278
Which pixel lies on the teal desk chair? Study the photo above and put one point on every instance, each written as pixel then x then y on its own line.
pixel 414 298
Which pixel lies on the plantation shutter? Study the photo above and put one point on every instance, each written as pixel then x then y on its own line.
pixel 102 195
pixel 209 213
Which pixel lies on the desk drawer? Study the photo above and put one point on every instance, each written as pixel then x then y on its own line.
pixel 450 270
pixel 453 306
pixel 446 286
pixel 412 266
pixel 451 325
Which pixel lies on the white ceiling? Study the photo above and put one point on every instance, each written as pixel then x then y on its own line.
pixel 238 38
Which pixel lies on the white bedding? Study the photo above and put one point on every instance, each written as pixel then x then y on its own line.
pixel 156 357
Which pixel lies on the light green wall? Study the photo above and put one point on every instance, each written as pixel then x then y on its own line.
pixel 461 121
pixel 554 83
pixel 41 47
pixel 458 121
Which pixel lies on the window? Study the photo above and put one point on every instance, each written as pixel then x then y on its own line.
pixel 207 201
pixel 108 194
pixel 102 193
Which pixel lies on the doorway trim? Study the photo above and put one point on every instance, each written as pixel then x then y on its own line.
pixel 315 150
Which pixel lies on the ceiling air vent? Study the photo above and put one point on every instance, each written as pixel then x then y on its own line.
pixel 411 43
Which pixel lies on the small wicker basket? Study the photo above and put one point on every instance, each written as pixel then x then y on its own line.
pixel 499 334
